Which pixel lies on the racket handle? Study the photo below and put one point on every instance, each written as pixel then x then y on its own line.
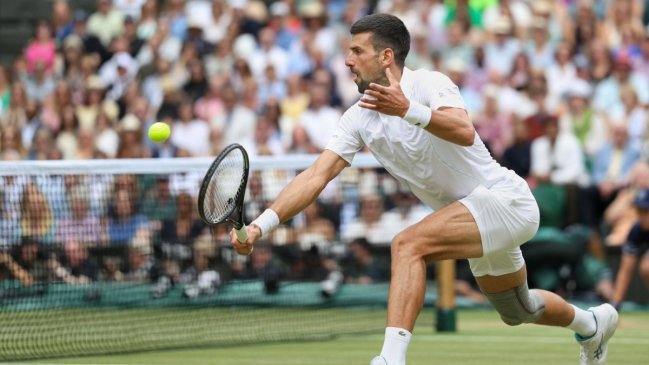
pixel 242 235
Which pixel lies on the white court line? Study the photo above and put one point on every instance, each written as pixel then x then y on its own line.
pixel 443 338
pixel 510 339
pixel 60 363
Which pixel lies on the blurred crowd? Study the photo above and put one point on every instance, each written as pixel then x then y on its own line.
pixel 558 91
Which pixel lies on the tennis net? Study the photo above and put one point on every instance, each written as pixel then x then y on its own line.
pixel 109 256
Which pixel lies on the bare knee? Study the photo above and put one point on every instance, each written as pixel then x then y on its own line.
pixel 407 247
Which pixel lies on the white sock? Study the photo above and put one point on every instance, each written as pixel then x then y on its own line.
pixel 395 345
pixel 584 323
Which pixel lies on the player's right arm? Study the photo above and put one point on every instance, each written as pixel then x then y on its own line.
pixel 299 193
pixel 307 186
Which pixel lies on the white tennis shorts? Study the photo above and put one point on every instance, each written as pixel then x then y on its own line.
pixel 507 216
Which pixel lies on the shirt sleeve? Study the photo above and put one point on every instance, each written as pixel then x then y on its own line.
pixel 443 92
pixel 346 141
pixel 631 245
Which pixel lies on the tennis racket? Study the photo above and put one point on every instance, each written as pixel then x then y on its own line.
pixel 220 199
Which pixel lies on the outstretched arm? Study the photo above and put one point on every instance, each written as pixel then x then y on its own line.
pixel 297 195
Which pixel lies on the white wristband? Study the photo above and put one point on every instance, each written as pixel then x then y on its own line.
pixel 418 114
pixel 267 221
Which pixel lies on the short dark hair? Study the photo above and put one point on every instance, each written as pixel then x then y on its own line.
pixel 388 31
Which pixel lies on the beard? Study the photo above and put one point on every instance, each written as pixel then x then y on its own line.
pixel 364 84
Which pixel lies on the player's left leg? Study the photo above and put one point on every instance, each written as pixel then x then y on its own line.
pixel 448 233
pixel 517 304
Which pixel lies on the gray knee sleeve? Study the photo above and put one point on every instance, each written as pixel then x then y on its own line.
pixel 518 305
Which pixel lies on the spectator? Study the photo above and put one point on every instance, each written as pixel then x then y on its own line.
pixel 131 145
pixel 456 46
pixel 211 105
pixel 117 73
pixel 106 23
pixel 106 138
pixel 37 219
pixel 40 83
pixel 270 86
pixel 370 224
pixel 199 278
pixel 41 49
pixel 266 140
pixel 557 157
pixel 406 211
pixel 319 120
pixel 580 120
pixel 175 12
pixel 183 228
pixel 632 114
pixel 130 8
pixel 159 204
pixel 264 265
pixel 5 90
pixel 316 229
pixel 93 103
pixel 268 53
pixel 503 48
pixel 189 133
pixel 614 162
pixel 196 86
pixel 634 251
pixel 27 269
pixel 77 266
pixel 236 122
pixel 61 20
pixel 91 44
pixel 620 216
pixel 148 19
pixel 493 126
pixel 142 265
pixel 87 149
pixel 562 73
pixel 641 62
pixel 362 266
pixel 81 225
pixel 539 49
pixel 66 139
pixel 125 220
pixel 11 141
pixel 607 93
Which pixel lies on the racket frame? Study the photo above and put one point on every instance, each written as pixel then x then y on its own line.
pixel 235 215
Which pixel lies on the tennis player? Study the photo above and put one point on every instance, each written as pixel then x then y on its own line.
pixel 416 125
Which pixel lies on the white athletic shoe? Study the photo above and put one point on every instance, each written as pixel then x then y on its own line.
pixel 595 348
pixel 379 360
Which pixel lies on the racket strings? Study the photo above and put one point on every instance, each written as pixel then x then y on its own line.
pixel 224 187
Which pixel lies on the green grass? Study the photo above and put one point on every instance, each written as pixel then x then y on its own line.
pixel 481 340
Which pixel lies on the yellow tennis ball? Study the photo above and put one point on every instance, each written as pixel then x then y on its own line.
pixel 159 132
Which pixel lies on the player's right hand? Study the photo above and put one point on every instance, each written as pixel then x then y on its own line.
pixel 245 248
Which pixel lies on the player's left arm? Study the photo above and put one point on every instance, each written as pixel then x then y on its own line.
pixel 448 123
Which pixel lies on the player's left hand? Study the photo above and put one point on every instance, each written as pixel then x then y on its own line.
pixel 388 100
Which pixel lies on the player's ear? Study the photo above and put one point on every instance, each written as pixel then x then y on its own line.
pixel 387 57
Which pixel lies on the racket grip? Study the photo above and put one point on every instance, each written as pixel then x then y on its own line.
pixel 242 235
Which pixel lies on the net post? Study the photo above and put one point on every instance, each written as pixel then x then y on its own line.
pixel 445 309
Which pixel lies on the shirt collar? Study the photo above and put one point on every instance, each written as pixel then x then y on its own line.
pixel 406 81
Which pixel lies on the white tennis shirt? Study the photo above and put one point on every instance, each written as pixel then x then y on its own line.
pixel 437 171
